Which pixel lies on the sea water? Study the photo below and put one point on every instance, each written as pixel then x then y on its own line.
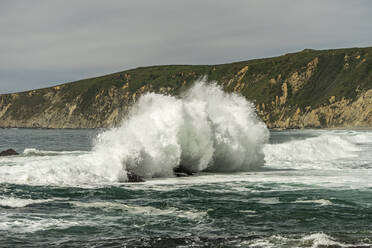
pixel 252 187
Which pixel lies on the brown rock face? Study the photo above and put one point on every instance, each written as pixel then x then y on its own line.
pixel 343 113
pixel 309 89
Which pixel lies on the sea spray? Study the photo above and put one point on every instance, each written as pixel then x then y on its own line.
pixel 204 129
pixel 314 152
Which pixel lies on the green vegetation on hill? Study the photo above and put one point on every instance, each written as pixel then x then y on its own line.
pixel 279 86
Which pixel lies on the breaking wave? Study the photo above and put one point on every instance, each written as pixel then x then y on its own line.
pixel 205 129
pixel 37 152
pixel 315 240
pixel 325 151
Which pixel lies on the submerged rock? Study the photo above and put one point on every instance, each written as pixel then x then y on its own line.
pixel 180 171
pixel 9 152
pixel 180 174
pixel 134 178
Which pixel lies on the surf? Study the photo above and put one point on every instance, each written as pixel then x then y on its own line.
pixel 204 129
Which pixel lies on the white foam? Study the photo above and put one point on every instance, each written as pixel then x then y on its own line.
pixel 270 242
pixel 35 224
pixel 311 152
pixel 204 129
pixel 319 239
pixel 322 202
pixel 142 210
pixel 18 202
pixel 360 138
pixel 247 211
pixel 314 240
pixel 37 152
pixel 270 200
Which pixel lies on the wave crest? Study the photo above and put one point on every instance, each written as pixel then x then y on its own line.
pixel 204 129
pixel 326 150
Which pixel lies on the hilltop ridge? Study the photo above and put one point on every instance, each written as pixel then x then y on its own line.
pixel 307 89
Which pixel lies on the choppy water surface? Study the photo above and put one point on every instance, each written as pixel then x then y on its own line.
pixel 315 190
pixel 252 187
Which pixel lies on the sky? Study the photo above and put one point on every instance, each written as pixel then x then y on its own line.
pixel 45 43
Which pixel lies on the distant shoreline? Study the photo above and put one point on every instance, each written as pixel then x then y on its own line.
pixel 271 129
pixel 328 89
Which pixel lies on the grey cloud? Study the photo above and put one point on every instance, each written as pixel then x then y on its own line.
pixel 44 42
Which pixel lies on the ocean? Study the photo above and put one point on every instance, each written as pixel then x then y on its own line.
pixel 252 187
pixel 315 190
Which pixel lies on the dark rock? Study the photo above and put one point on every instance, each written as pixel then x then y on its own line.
pixel 134 178
pixel 181 171
pixel 9 152
pixel 179 174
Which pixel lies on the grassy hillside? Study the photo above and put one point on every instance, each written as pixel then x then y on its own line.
pixel 280 86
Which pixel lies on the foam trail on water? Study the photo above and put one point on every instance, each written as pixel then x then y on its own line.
pixel 18 202
pixel 205 129
pixel 37 152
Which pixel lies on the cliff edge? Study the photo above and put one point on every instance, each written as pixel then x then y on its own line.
pixel 308 89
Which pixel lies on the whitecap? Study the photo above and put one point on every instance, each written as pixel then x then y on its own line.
pixel 142 210
pixel 322 202
pixel 205 129
pixel 19 202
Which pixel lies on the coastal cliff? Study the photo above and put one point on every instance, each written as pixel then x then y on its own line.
pixel 308 89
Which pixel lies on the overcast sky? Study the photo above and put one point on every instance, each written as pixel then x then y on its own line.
pixel 44 43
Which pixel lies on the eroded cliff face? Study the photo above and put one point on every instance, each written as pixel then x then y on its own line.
pixel 345 113
pixel 310 89
pixel 108 108
pixel 336 112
